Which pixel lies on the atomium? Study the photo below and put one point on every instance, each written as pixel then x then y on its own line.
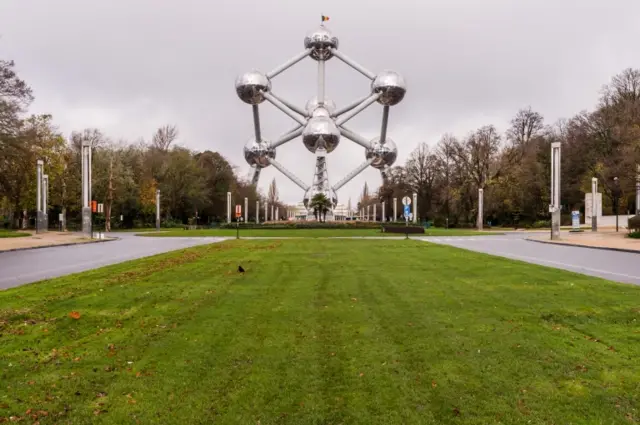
pixel 321 125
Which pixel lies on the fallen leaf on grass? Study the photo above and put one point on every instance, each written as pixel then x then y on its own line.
pixel 138 374
pixel 611 348
pixel 74 315
pixel 354 300
pixel 77 359
pixel 361 374
pixel 434 384
pixel 456 411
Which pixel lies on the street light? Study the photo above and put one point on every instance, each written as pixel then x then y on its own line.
pixel 616 197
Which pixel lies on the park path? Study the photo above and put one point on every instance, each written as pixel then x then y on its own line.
pixel 20 267
pixel 612 265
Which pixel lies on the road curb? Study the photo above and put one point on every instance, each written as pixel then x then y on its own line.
pixel 603 248
pixel 62 244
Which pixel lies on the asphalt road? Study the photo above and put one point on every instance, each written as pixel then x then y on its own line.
pixel 20 267
pixel 612 265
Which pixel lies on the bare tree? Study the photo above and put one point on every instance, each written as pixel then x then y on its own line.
pixel 164 136
pixel 422 169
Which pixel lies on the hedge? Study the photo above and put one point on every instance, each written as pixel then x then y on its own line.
pixel 305 225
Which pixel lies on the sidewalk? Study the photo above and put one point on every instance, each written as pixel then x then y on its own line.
pixel 605 239
pixel 42 240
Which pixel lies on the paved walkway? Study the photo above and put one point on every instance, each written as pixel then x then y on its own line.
pixel 20 267
pixel 41 240
pixel 607 238
pixel 611 265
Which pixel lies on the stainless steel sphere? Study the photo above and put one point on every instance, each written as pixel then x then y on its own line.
pixel 320 132
pixel 257 154
pixel 328 104
pixel 384 155
pixel 250 87
pixel 321 41
pixel 392 87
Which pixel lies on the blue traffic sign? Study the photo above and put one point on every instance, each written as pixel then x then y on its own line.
pixel 407 210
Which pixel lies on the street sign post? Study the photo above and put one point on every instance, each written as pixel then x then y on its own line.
pixel 238 215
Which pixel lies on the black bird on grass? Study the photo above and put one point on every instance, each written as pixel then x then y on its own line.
pixel 240 269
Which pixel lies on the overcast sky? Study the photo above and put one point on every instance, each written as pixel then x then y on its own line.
pixel 130 66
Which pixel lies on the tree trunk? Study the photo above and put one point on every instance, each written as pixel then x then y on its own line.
pixel 109 203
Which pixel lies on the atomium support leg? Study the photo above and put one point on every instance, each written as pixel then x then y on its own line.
pixel 353 64
pixel 355 111
pixel 355 137
pixel 256 123
pixel 288 136
pixel 321 64
pixel 385 121
pixel 352 174
pixel 349 107
pixel 291 105
pixel 256 176
pixel 275 102
pixel 289 174
pixel 288 64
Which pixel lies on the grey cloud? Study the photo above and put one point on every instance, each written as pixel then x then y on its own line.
pixel 131 66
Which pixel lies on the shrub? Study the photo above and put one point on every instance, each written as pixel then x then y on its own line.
pixel 275 225
pixel 540 224
pixel 634 223
pixel 635 235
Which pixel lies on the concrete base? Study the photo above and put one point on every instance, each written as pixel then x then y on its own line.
pixel 86 221
pixel 555 225
pixel 41 222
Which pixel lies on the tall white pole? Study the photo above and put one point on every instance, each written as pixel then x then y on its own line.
pixel 594 204
pixel 39 165
pixel 246 210
pixel 480 208
pixel 228 207
pixel 638 190
pixel 375 212
pixel 384 217
pixel 158 209
pixel 266 211
pixel 395 209
pixel 554 208
pixel 257 212
pixel 277 214
pixel 415 207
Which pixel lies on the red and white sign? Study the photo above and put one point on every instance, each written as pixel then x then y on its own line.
pixel 238 211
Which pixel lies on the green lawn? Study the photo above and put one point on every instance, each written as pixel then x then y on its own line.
pixel 309 233
pixel 321 332
pixel 12 234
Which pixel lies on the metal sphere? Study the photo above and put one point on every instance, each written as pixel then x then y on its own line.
pixel 328 104
pixel 392 87
pixel 257 154
pixel 250 87
pixel 320 132
pixel 384 155
pixel 321 41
